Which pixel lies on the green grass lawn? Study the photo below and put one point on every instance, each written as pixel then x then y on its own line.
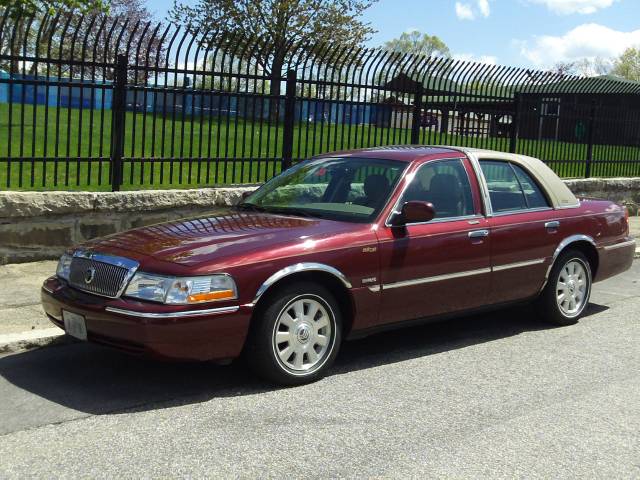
pixel 177 151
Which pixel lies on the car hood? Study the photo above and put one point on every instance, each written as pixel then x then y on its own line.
pixel 217 239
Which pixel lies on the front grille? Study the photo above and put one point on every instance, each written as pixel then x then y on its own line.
pixel 107 279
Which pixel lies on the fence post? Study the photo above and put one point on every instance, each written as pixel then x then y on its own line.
pixel 417 115
pixel 118 107
pixel 592 123
pixel 515 124
pixel 289 113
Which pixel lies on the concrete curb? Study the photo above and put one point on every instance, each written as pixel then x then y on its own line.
pixel 18 342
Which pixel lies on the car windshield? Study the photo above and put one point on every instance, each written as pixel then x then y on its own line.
pixel 345 189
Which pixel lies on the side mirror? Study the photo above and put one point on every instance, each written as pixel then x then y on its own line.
pixel 414 212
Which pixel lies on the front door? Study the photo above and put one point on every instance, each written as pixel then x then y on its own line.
pixel 439 266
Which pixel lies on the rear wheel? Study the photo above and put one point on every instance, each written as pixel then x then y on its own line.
pixel 296 336
pixel 568 288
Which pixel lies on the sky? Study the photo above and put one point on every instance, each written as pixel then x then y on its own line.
pixel 532 33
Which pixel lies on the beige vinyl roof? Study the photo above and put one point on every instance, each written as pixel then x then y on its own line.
pixel 559 193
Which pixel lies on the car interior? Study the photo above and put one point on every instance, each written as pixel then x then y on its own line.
pixel 446 186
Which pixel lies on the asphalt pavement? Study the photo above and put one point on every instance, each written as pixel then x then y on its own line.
pixel 500 395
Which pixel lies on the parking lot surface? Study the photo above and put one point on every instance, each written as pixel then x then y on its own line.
pixel 498 395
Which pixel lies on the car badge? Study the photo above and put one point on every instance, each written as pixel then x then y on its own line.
pixel 89 275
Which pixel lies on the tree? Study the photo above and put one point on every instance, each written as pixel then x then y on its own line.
pixel 628 65
pixel 417 43
pixel 588 67
pixel 23 16
pixel 278 24
pixel 40 32
pixel 31 7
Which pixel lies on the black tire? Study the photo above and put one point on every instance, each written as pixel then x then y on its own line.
pixel 265 356
pixel 548 304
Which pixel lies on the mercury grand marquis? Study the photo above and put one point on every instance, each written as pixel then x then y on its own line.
pixel 340 246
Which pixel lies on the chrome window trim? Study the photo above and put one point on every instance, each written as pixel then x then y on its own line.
pixel 564 207
pixel 297 268
pixel 615 246
pixel 526 263
pixel 524 210
pixel 123 262
pixel 394 210
pixel 444 220
pixel 183 314
pixel 482 182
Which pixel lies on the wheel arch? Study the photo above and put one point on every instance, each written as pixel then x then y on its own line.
pixel 329 277
pixel 582 243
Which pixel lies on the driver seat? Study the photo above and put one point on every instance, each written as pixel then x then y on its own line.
pixel 376 189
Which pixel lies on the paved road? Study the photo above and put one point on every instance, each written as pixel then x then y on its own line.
pixel 498 395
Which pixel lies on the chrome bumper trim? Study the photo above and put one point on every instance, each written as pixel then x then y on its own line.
pixel 615 246
pixel 186 313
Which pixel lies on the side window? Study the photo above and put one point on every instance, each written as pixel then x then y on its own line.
pixel 510 187
pixel 446 185
pixel 532 192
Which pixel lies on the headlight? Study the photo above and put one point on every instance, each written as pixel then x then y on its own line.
pixel 182 290
pixel 64 266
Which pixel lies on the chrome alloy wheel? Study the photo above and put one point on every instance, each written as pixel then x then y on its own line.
pixel 302 335
pixel 572 288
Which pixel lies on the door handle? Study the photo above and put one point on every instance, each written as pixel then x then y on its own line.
pixel 479 234
pixel 553 224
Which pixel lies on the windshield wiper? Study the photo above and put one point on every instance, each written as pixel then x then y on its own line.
pixel 250 206
pixel 294 211
pixel 281 210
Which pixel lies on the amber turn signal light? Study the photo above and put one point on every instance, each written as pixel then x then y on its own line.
pixel 209 296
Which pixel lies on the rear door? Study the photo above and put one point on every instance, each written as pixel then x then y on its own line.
pixel 524 232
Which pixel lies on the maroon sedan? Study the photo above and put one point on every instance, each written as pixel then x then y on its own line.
pixel 339 246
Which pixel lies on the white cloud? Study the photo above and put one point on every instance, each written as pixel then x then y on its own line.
pixel 567 7
pixel 483 6
pixel 467 11
pixel 470 57
pixel 589 40
pixel 464 11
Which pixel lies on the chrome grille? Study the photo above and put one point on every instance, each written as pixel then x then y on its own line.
pixel 100 278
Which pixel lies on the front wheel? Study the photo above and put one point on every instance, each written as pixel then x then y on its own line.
pixel 296 336
pixel 568 288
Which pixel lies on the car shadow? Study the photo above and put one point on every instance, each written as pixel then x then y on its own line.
pixel 96 380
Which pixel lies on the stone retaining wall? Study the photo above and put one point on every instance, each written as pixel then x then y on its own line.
pixel 621 190
pixel 40 225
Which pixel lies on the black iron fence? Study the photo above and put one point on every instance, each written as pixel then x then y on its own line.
pixel 99 103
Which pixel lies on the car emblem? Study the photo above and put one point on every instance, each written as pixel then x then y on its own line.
pixel 89 275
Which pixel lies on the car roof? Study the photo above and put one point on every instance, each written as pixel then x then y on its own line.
pixel 405 153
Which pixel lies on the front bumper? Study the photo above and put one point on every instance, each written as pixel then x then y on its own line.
pixel 178 333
